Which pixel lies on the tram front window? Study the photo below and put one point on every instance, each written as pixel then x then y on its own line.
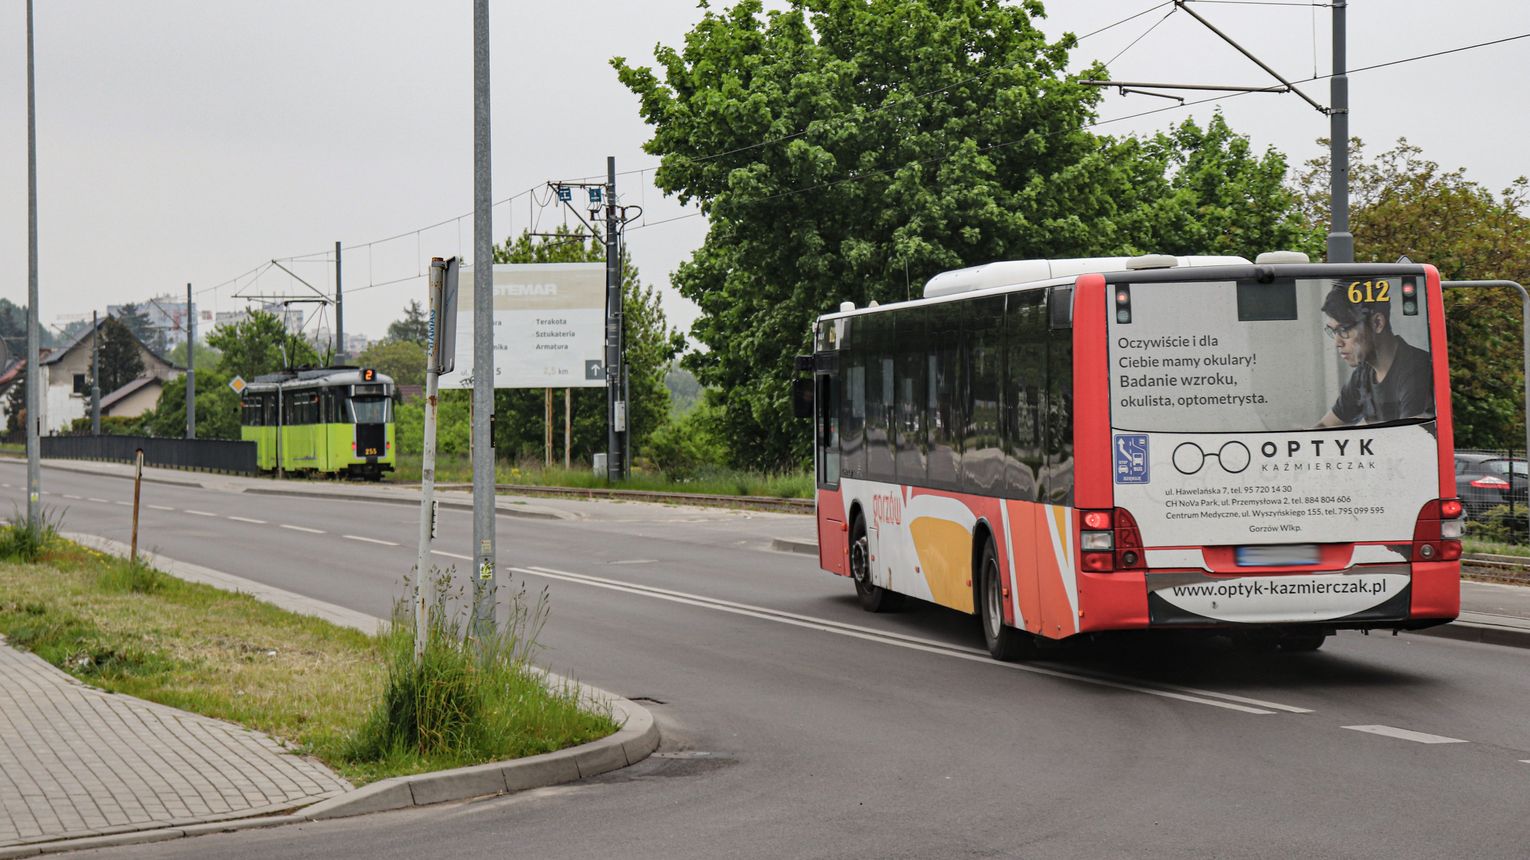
pixel 370 410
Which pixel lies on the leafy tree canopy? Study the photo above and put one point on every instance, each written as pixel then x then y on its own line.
pixel 851 149
pixel 207 357
pixel 254 346
pixel 403 360
pixel 217 408
pixel 1403 204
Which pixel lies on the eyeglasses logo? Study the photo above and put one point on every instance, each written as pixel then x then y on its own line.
pixel 1190 457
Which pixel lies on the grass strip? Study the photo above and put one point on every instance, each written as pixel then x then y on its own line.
pixel 718 481
pixel 127 628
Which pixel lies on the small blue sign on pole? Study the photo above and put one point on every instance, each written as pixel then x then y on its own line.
pixel 1131 458
pixel 565 194
pixel 596 195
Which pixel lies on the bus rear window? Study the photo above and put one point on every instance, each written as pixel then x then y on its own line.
pixel 1260 357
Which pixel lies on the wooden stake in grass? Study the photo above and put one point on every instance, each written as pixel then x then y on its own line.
pixel 137 486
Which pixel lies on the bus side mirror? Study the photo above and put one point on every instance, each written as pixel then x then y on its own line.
pixel 802 397
pixel 1060 308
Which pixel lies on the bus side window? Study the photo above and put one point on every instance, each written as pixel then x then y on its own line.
pixel 1024 384
pixel 912 396
pixel 982 454
pixel 878 341
pixel 826 432
pixel 945 343
pixel 852 411
pixel 1057 488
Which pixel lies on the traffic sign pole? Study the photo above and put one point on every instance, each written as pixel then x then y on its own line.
pixel 428 461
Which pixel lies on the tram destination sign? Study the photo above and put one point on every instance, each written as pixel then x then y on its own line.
pixel 549 327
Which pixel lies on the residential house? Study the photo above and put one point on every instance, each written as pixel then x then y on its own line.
pixel 66 379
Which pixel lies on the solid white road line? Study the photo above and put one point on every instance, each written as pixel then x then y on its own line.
pixel 855 631
pixel 369 540
pixel 303 529
pixel 200 513
pixel 1404 734
pixel 162 507
pixel 247 520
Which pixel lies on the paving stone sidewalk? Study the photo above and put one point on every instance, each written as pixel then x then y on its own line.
pixel 76 761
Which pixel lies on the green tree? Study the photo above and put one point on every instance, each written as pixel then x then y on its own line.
pixel 207 357
pixel 217 408
pixel 254 346
pixel 413 327
pixel 650 347
pixel 137 321
pixel 120 357
pixel 403 360
pixel 1403 204
pixel 851 149
pixel 16 409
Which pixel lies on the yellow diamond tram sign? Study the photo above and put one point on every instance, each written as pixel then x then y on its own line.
pixel 238 384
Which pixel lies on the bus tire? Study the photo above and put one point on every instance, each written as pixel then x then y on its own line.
pixel 1004 643
pixel 873 598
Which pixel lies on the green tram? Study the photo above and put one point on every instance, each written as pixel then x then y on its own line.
pixel 334 421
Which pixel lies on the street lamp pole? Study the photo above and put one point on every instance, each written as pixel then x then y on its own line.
pixel 34 375
pixel 1341 242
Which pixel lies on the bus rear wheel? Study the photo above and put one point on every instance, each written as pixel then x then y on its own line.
pixel 873 598
pixel 1004 643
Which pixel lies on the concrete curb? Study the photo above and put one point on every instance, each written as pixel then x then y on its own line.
pixel 801 547
pixel 637 738
pixel 69 466
pixel 507 511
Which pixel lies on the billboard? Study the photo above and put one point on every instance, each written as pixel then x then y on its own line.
pixel 549 327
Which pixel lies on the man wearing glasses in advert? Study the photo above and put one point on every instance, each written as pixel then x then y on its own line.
pixel 1390 380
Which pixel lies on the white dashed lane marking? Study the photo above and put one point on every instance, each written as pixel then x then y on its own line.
pixel 303 529
pixel 102 501
pixel 248 520
pixel 1406 735
pixel 369 540
pixel 200 513
pixel 162 507
pixel 455 555
pixel 67 496
pixel 122 503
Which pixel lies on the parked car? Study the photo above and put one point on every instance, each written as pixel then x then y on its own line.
pixel 1487 480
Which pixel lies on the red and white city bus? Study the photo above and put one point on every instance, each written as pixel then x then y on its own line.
pixel 1069 447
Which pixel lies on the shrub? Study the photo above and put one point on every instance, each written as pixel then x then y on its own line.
pixel 24 541
pixel 1500 524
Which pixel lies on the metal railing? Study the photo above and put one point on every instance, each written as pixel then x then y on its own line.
pixel 214 455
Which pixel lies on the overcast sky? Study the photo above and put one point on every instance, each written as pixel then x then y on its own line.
pixel 195 141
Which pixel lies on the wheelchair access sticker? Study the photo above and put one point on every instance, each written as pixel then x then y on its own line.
pixel 1131 458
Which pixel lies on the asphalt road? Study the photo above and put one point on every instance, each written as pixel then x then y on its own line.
pixel 796 725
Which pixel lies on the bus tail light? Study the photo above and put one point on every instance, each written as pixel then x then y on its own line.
pixel 1109 541
pixel 1097 541
pixel 1437 534
pixel 1129 555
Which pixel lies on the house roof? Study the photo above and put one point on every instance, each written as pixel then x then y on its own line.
pixel 127 390
pixel 59 352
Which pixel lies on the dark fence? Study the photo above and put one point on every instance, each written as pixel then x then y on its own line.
pixel 217 455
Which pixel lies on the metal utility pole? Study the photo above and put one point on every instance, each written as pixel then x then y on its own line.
pixel 191 368
pixel 34 375
pixel 339 313
pixel 422 583
pixel 1341 242
pixel 95 375
pixel 616 404
pixel 483 335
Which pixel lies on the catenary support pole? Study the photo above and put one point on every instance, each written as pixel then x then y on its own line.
pixel 95 375
pixel 568 424
pixel 422 578
pixel 615 407
pixel 339 312
pixel 1524 304
pixel 483 335
pixel 1341 242
pixel 34 373
pixel 191 368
